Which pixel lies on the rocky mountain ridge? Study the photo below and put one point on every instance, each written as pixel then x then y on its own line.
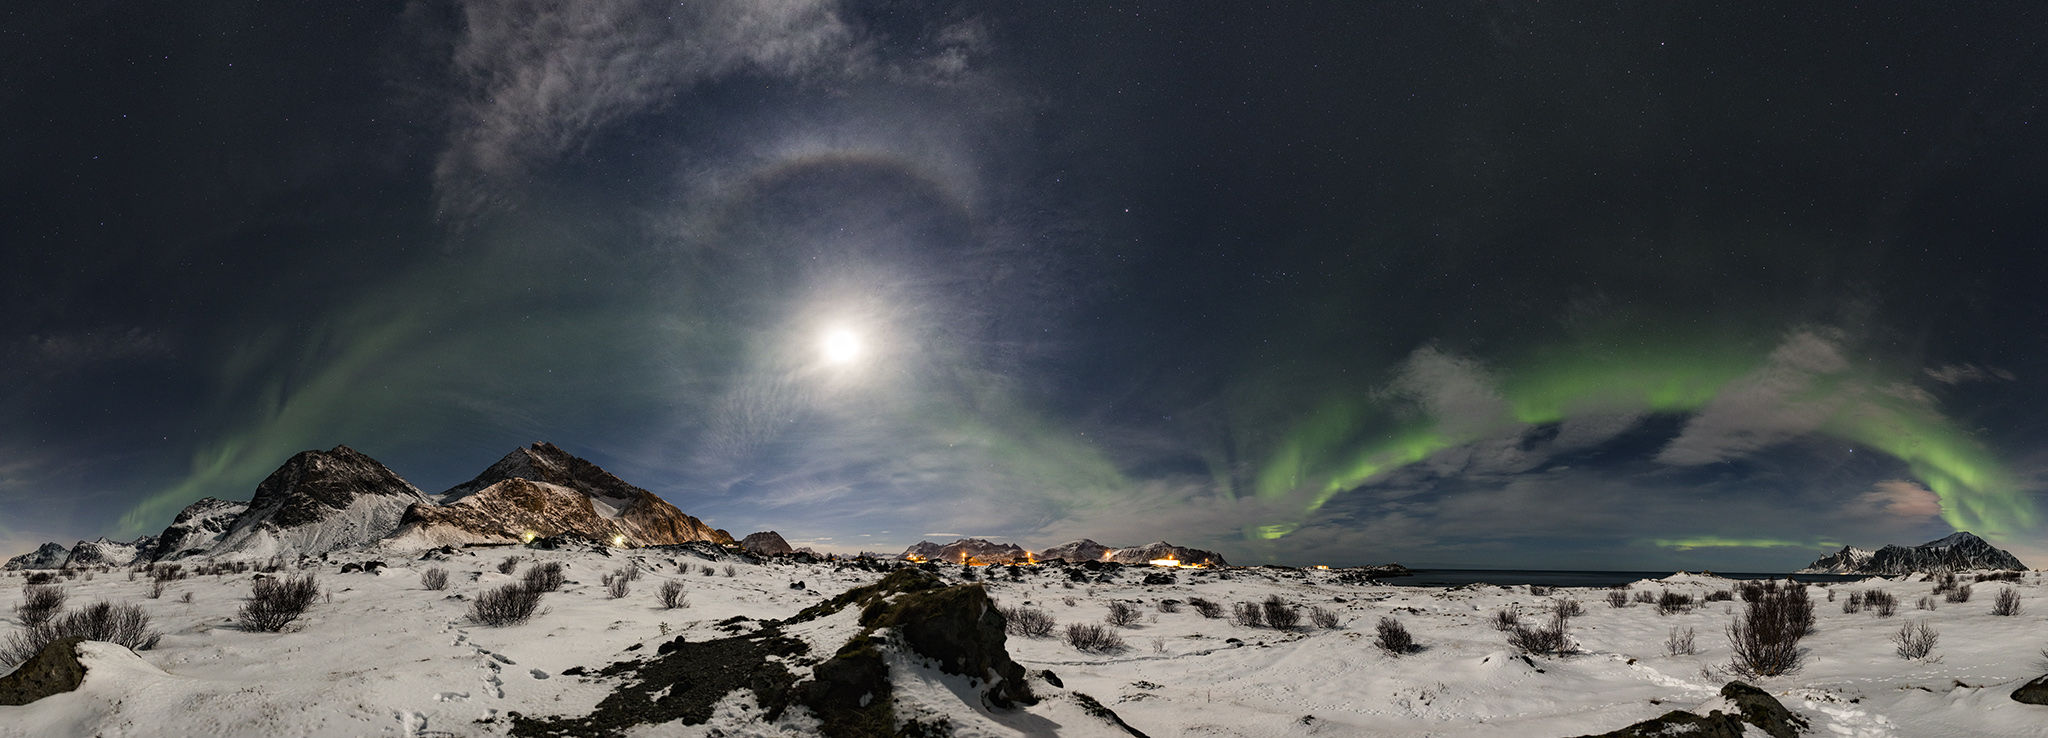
pixel 986 552
pixel 1958 551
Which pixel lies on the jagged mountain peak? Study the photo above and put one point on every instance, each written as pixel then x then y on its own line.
pixel 541 490
pixel 1957 551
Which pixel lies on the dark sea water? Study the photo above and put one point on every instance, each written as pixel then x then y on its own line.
pixel 1559 578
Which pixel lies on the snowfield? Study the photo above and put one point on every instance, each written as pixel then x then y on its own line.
pixel 381 655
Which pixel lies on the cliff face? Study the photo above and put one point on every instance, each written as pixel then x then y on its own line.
pixel 196 529
pixel 542 491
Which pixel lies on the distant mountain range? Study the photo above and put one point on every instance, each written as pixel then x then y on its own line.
pixel 1958 552
pixel 976 550
pixel 321 501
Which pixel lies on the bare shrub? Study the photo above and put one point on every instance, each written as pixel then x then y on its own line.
pixel 1168 606
pixel 1093 638
pixel 124 624
pixel 39 603
pixel 708 570
pixel 156 589
pixel 186 597
pixel 511 604
pixel 1570 607
pixel 1765 638
pixel 1680 643
pixel 1208 608
pixel 632 572
pixel 509 565
pixel 1027 621
pixel 41 577
pixel 1643 597
pixel 730 571
pixel 1925 603
pixel 1280 614
pixel 435 579
pixel 277 601
pixel 167 572
pixel 618 586
pixel 546 577
pixel 1539 590
pixel 1505 619
pixel 1672 603
pixel 1945 583
pixel 1248 614
pixel 1322 617
pixel 671 594
pixel 1121 614
pixel 1554 638
pixel 1393 637
pixel 2006 603
pixel 1885 604
pixel 1853 603
pixel 1617 598
pixel 1960 593
pixel 1915 639
pixel 1719 595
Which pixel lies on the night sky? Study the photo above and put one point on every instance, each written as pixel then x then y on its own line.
pixel 1560 285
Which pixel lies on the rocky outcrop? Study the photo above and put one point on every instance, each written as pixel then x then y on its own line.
pixel 53 670
pixel 766 543
pixel 542 491
pixel 1958 552
pixel 2033 693
pixel 1746 707
pixel 967 551
pixel 320 501
pixel 197 528
pixel 50 555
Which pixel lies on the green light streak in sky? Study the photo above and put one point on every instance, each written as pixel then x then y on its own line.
pixel 1687 544
pixel 1624 380
pixel 1977 494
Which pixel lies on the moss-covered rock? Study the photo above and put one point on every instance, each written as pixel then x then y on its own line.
pixel 53 670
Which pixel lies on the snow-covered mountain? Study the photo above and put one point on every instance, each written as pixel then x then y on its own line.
pixel 541 491
pixel 50 555
pixel 766 543
pixel 320 501
pixel 197 528
pixel 1087 550
pixel 104 552
pixel 967 550
pixel 1957 552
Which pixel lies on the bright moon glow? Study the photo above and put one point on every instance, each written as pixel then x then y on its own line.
pixel 841 347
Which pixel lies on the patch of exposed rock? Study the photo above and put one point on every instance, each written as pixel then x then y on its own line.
pixel 1746 705
pixel 320 501
pixel 766 543
pixel 104 552
pixel 1075 552
pixel 2034 692
pixel 53 670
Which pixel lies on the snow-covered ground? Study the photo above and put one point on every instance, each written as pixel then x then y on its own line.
pixel 385 656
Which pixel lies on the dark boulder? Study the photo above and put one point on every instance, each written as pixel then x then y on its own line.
pixel 2033 693
pixel 53 670
pixel 1753 706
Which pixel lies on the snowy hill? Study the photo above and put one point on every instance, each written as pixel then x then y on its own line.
pixel 50 555
pixel 748 655
pixel 319 501
pixel 103 552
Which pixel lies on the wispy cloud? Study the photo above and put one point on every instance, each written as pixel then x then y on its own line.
pixel 1771 405
pixel 1960 373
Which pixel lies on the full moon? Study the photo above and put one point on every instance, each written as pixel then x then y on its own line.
pixel 841 347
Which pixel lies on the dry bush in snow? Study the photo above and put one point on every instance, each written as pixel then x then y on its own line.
pixel 1505 619
pixel 1617 598
pixel 1915 639
pixel 509 565
pixel 1643 597
pixel 1393 638
pixel 1570 607
pixel 277 601
pixel 1093 638
pixel 1168 606
pixel 1680 643
pixel 1853 604
pixel 1121 615
pixel 39 603
pixel 511 604
pixel 1961 593
pixel 1554 638
pixel 1248 614
pixel 1280 614
pixel 1322 617
pixel 1026 621
pixel 1208 608
pixel 546 577
pixel 1672 603
pixel 1925 603
pixel 2006 603
pixel 708 570
pixel 435 579
pixel 617 586
pixel 730 571
pixel 126 625
pixel 1765 639
pixel 1883 603
pixel 671 594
